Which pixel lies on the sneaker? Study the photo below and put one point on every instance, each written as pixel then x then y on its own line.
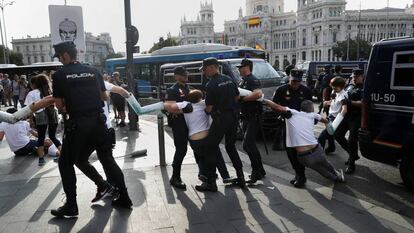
pixel 42 161
pixel 122 201
pixel 341 177
pixel 102 192
pixel 229 180
pixel 65 211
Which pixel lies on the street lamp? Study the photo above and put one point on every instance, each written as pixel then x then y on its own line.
pixel 2 6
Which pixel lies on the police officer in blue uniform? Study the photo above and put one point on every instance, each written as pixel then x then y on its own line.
pixel 291 95
pixel 352 120
pixel 222 95
pixel 251 112
pixel 79 92
pixel 179 93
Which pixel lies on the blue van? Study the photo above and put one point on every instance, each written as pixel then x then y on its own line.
pixel 387 126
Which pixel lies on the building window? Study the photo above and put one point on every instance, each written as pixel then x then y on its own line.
pixel 41 47
pixel 42 58
pixel 27 49
pixel 34 47
pixel 35 59
pixel 304 56
pixel 316 39
pixel 18 48
pixel 29 61
pixel 334 37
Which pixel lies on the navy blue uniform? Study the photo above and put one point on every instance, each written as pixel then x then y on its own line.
pixel 288 97
pixel 178 93
pixel 221 94
pixel 251 112
pixel 80 87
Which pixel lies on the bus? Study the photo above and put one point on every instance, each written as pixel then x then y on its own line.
pixel 147 67
pixel 30 70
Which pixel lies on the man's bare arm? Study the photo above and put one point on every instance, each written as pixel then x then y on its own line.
pixel 274 106
pixel 1 136
pixel 255 95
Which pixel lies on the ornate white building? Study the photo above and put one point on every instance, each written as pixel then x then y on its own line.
pixel 308 34
pixel 40 49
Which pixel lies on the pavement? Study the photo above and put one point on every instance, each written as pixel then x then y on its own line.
pixel 28 193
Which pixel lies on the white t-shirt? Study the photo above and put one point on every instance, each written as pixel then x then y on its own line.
pixel 17 135
pixel 108 87
pixel 197 121
pixel 336 105
pixel 33 96
pixel 300 127
pixel 52 150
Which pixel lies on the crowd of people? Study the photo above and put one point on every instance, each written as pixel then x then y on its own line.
pixel 201 118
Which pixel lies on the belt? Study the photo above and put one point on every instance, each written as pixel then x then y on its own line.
pixel 308 152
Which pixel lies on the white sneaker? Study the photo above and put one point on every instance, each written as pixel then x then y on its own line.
pixel 341 177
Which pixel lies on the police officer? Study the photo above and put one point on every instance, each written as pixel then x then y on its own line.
pixel 292 95
pixel 326 96
pixel 79 92
pixel 338 71
pixel 352 120
pixel 251 111
pixel 179 93
pixel 222 95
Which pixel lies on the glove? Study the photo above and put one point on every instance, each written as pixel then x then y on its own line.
pixel 346 102
pixel 286 115
pixel 188 108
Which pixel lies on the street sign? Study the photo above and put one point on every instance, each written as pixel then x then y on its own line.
pixel 133 35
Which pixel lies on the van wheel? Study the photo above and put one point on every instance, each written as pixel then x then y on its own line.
pixel 407 170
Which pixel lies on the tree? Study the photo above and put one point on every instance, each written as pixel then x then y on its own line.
pixel 15 58
pixel 163 43
pixel 114 55
pixel 340 49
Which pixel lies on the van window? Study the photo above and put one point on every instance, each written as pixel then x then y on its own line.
pixel 195 76
pixel 262 70
pixel 402 71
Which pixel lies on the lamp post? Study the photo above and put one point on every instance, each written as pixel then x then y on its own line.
pixel 2 6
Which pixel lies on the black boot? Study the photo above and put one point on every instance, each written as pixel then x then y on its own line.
pixel 300 182
pixel 67 210
pixel 351 167
pixel 175 180
pixel 254 177
pixel 206 187
pixel 122 200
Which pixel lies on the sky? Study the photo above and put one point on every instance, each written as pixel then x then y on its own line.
pixel 153 18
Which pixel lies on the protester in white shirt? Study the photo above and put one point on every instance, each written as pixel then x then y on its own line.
pixel 17 136
pixel 300 135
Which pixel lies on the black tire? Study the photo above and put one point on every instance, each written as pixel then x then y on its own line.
pixel 407 170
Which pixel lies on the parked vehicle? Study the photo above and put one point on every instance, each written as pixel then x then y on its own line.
pixel 387 127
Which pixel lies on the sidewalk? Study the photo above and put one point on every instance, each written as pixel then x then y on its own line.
pixel 28 192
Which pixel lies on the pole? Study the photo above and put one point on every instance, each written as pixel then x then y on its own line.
pixel 5 36
pixel 161 139
pixel 2 43
pixel 133 118
pixel 359 31
pixel 388 18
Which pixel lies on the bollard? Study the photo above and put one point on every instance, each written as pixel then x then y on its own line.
pixel 161 140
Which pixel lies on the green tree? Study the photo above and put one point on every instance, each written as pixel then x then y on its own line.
pixel 163 43
pixel 114 55
pixel 15 58
pixel 340 49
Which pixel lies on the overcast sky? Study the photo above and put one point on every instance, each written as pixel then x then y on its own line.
pixel 153 18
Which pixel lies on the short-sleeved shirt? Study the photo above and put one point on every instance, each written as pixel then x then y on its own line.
pixel 251 83
pixel 32 97
pixel 16 134
pixel 336 105
pixel 300 129
pixel 81 87
pixel 108 88
pixel 177 93
pixel 288 97
pixel 221 93
pixel 197 121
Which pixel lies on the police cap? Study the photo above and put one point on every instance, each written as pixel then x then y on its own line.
pixel 63 47
pixel 245 62
pixel 357 72
pixel 209 61
pixel 328 67
pixel 296 75
pixel 179 70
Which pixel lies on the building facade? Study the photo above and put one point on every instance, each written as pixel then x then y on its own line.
pixel 308 34
pixel 40 49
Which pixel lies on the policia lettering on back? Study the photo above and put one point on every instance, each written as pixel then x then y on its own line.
pixel 78 91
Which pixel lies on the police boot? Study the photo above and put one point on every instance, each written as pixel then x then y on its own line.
pixel 122 200
pixel 210 186
pixel 351 167
pixel 67 210
pixel 300 182
pixel 176 181
pixel 254 177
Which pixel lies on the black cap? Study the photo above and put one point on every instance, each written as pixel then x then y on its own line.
pixel 179 70
pixel 328 67
pixel 357 72
pixel 296 74
pixel 209 61
pixel 63 47
pixel 245 62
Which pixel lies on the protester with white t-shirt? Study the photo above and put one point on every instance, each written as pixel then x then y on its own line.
pixel 300 135
pixel 17 136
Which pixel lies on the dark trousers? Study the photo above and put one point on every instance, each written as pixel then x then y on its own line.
pixel 41 131
pixel 200 152
pixel 15 101
pixel 351 123
pixel 180 135
pixel 296 165
pixel 326 136
pixel 251 128
pixel 225 125
pixel 86 134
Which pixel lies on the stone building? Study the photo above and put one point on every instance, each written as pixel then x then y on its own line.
pixel 40 49
pixel 308 34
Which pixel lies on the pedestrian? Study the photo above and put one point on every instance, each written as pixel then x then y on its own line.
pixel 335 106
pixel 292 95
pixel 176 94
pixel 300 136
pixel 79 92
pixel 222 95
pixel 46 119
pixel 7 90
pixel 17 136
pixel 23 90
pixel 118 101
pixel 338 71
pixel 1 93
pixel 352 120
pixel 251 114
pixel 15 90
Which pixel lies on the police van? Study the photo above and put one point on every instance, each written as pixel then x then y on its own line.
pixel 387 126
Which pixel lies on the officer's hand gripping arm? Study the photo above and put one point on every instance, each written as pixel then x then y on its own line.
pixel 246 95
